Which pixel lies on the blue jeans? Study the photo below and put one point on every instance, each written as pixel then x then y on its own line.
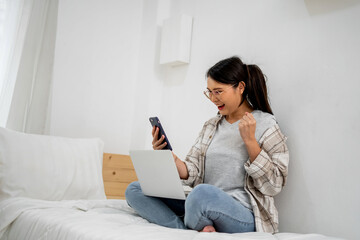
pixel 205 205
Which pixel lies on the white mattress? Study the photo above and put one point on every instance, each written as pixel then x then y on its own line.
pixel 30 219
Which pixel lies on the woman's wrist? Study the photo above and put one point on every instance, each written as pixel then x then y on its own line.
pixel 250 141
pixel 182 169
pixel 253 148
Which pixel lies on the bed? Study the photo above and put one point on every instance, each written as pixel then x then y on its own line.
pixel 60 188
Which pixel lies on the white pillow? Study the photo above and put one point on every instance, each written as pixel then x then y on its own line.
pixel 50 168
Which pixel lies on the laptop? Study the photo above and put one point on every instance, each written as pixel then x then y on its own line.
pixel 157 174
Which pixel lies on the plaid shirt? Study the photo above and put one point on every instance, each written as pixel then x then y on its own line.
pixel 264 177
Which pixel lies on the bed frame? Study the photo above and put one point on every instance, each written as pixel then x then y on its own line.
pixel 118 172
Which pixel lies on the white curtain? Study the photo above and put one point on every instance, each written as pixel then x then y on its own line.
pixel 15 19
pixel 25 52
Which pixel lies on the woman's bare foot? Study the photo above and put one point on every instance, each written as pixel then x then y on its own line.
pixel 208 229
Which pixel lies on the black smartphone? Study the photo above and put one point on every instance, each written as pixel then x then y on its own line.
pixel 156 122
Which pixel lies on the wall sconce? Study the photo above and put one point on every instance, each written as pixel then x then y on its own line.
pixel 176 40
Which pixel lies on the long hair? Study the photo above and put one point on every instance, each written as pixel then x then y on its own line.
pixel 232 71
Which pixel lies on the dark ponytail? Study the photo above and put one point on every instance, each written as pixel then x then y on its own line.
pixel 256 90
pixel 232 71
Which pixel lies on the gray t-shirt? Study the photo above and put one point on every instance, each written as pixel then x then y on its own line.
pixel 227 154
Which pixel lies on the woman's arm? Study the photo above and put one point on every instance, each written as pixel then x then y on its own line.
pixel 195 158
pixel 269 169
pixel 247 127
pixel 181 167
pixel 253 149
pixel 268 164
pixel 158 144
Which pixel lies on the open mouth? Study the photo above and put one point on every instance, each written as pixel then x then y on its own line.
pixel 221 107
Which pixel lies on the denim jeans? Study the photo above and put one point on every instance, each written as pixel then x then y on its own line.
pixel 205 205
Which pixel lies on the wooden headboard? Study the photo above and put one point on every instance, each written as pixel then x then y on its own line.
pixel 118 172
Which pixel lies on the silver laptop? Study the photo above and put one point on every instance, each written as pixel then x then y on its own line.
pixel 157 173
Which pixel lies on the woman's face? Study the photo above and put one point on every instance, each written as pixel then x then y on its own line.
pixel 225 96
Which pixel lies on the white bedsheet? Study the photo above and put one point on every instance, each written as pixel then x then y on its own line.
pixel 22 218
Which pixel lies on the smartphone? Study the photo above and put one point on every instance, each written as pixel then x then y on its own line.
pixel 156 122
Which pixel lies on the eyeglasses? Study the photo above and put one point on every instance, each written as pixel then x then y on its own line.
pixel 216 93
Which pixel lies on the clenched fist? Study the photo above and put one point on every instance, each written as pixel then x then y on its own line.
pixel 247 127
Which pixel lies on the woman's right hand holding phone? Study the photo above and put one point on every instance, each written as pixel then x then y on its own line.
pixel 157 143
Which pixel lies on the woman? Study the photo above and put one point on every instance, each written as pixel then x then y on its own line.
pixel 236 166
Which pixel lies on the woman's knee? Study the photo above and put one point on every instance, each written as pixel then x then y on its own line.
pixel 201 194
pixel 132 189
pixel 204 190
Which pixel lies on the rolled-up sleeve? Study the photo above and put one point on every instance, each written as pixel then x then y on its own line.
pixel 195 159
pixel 192 163
pixel 269 170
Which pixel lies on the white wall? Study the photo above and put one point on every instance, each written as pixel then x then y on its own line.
pixel 107 82
pixel 95 70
